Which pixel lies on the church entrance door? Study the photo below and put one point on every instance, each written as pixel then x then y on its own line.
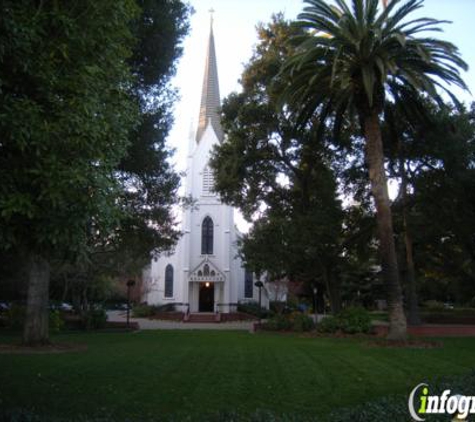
pixel 206 302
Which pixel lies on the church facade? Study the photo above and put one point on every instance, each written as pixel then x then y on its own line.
pixel 203 273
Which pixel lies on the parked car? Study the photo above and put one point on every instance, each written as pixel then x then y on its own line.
pixel 66 307
pixel 4 306
pixel 61 306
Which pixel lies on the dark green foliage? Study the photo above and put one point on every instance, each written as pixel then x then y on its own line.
pixel 15 318
pixel 85 107
pixel 329 325
pixel 66 112
pixel 277 174
pixel 356 60
pixel 143 311
pixel 296 321
pixel 301 322
pixel 94 318
pixel 63 106
pixel 56 321
pixel 348 321
pixel 252 308
pixel 149 181
pixel 277 323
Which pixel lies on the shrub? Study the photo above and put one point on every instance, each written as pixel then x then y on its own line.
pixel 433 305
pixel 295 321
pixel 15 318
pixel 329 324
pixel 277 307
pixel 143 311
pixel 349 321
pixel 278 323
pixel 355 320
pixel 301 322
pixel 252 308
pixel 168 307
pixel 56 321
pixel 94 318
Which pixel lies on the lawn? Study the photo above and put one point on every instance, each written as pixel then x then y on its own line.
pixel 153 373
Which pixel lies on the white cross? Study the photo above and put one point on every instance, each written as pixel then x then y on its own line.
pixel 211 12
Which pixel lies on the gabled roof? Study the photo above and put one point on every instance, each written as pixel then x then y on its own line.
pixel 206 271
pixel 210 99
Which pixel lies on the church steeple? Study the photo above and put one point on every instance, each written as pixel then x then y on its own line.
pixel 210 100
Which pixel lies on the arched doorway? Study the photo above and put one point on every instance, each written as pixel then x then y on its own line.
pixel 206 299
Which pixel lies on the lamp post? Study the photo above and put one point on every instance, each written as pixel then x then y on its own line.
pixel 130 284
pixel 315 291
pixel 260 285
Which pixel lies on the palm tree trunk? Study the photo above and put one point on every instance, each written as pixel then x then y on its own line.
pixel 379 189
pixel 36 330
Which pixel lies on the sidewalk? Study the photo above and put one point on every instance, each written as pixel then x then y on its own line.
pixel 153 324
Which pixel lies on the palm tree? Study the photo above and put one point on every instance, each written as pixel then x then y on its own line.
pixel 355 60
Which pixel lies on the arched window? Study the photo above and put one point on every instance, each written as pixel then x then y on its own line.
pixel 169 281
pixel 207 236
pixel 248 285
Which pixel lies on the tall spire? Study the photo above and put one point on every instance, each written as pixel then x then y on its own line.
pixel 210 100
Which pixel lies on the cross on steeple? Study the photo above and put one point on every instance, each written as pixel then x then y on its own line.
pixel 211 15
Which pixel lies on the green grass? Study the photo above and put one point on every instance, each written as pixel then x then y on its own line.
pixel 153 373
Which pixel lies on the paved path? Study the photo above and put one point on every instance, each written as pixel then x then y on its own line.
pixel 153 324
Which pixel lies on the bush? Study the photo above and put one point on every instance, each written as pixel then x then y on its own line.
pixel 277 307
pixel 433 305
pixel 301 322
pixel 168 307
pixel 295 321
pixel 349 321
pixel 252 308
pixel 355 320
pixel 278 323
pixel 94 318
pixel 329 325
pixel 56 321
pixel 143 311
pixel 15 318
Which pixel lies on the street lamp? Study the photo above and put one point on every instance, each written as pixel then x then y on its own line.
pixel 260 285
pixel 315 291
pixel 130 284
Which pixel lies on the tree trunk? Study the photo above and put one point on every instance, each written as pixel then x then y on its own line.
pixel 379 189
pixel 413 318
pixel 36 330
pixel 333 290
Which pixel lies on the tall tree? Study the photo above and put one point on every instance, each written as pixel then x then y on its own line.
pixel 148 181
pixel 443 195
pixel 357 59
pixel 65 117
pixel 277 175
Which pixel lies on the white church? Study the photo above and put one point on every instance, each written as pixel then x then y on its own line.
pixel 203 274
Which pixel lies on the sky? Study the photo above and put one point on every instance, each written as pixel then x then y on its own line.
pixel 235 35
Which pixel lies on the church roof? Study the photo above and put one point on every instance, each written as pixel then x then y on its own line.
pixel 210 100
pixel 206 271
